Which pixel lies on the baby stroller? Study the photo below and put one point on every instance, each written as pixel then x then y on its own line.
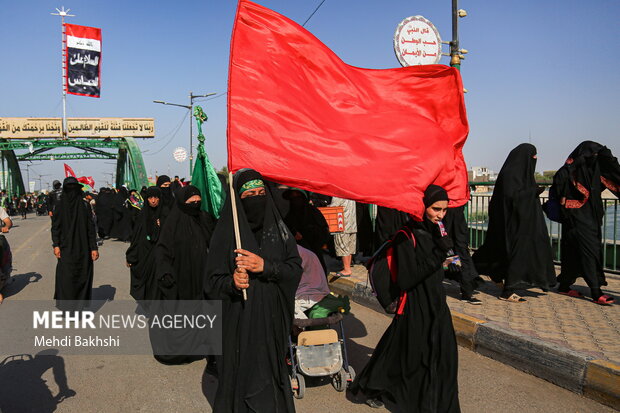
pixel 319 353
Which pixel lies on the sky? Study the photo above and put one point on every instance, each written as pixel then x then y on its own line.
pixel 543 72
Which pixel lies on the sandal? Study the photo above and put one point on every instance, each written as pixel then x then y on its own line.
pixel 571 293
pixel 514 298
pixel 339 275
pixel 374 403
pixel 604 300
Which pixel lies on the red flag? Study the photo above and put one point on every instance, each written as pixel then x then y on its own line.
pixel 68 171
pixel 88 180
pixel 302 117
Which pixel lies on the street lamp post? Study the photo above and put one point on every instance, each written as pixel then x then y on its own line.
pixel 456 54
pixel 191 138
pixel 28 165
pixel 40 183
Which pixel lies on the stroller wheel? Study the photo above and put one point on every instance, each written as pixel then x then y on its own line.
pixel 298 383
pixel 351 375
pixel 339 380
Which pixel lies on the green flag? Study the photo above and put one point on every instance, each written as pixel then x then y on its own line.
pixel 204 176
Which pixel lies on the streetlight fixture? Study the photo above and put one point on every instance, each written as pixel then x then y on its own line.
pixel 190 107
pixel 40 184
pixel 28 165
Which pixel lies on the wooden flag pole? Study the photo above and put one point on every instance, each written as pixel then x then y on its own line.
pixel 233 200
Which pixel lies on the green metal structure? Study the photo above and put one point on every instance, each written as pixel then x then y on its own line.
pixel 130 169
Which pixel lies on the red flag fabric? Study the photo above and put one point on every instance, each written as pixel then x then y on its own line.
pixel 302 117
pixel 68 171
pixel 88 180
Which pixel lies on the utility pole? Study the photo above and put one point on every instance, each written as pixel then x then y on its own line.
pixel 190 107
pixel 63 13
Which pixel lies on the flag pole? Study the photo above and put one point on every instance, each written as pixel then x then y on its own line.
pixel 233 200
pixel 64 13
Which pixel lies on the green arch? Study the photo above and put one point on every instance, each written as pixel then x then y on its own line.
pixel 130 169
pixel 11 179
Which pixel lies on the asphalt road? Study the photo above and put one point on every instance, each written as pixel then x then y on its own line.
pixel 141 384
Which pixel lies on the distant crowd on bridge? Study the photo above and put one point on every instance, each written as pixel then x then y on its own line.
pixel 179 251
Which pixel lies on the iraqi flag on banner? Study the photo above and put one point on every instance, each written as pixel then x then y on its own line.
pixel 302 117
pixel 83 60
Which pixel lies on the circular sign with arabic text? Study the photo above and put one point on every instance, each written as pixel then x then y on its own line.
pixel 179 154
pixel 417 42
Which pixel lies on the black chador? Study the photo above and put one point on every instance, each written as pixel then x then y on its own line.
pixel 253 375
pixel 104 211
pixel 139 255
pixel 74 241
pixel 578 185
pixel 167 198
pixel 180 257
pixel 415 363
pixel 456 226
pixel 517 250
pixel 121 229
pixel 181 251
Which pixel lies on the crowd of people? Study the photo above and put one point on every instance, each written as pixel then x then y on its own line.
pixel 276 270
pixel 23 205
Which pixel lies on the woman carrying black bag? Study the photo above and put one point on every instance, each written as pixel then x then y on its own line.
pixel 415 363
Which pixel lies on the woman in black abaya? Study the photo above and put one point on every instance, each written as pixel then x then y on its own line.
pixel 167 198
pixel 104 212
pixel 589 169
pixel 517 250
pixel 121 228
pixel 139 255
pixel 182 249
pixel 253 375
pixel 74 240
pixel 180 256
pixel 415 363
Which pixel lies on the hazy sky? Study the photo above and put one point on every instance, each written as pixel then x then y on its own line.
pixel 545 69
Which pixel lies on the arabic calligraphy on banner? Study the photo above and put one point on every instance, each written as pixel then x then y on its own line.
pixel 417 42
pixel 83 53
pixel 27 128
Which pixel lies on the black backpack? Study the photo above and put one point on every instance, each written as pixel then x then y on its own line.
pixel 382 273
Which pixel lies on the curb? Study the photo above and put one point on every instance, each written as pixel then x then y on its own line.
pixel 598 380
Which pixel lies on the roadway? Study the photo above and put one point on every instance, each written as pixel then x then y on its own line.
pixel 141 384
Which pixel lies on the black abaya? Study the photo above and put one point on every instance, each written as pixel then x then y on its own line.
pixel 104 212
pixel 415 363
pixel 182 248
pixel 180 256
pixel 456 227
pixel 73 231
pixel 139 255
pixel 517 250
pixel 253 375
pixel 588 170
pixel 121 228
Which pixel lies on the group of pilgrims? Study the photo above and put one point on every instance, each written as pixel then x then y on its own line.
pixel 178 251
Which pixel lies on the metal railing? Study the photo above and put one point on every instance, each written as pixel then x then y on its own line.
pixel 478 221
